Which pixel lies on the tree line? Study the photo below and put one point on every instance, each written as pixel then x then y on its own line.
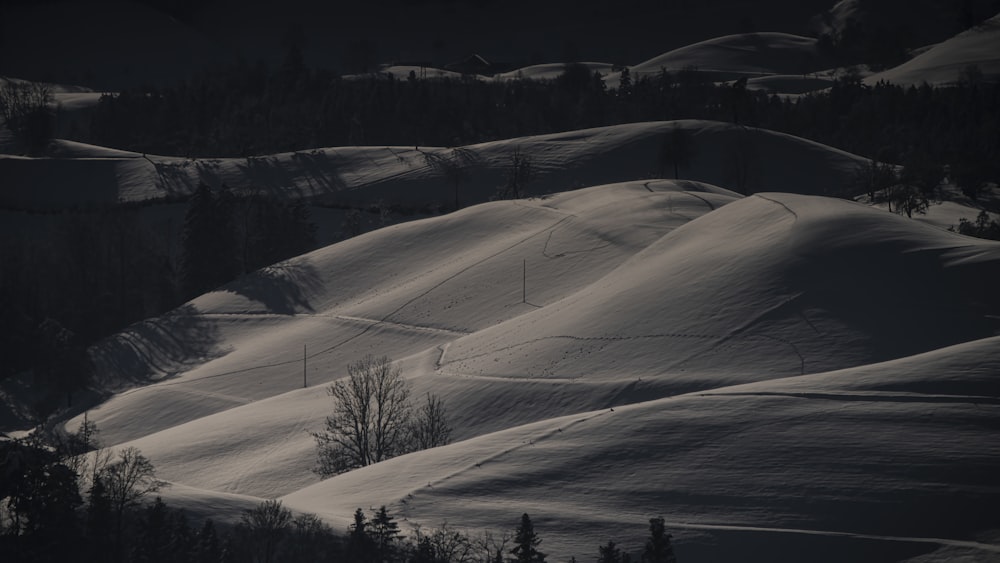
pixel 84 273
pixel 64 497
pixel 251 110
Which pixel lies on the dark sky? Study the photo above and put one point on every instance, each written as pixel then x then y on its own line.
pixel 99 39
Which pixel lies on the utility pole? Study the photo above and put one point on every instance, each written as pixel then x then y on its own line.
pixel 524 281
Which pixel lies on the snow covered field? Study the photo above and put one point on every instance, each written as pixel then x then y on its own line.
pixel 784 376
pixel 784 370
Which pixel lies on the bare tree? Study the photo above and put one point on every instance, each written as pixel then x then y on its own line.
pixel 744 167
pixel 373 419
pixel 24 107
pixel 873 176
pixel 127 481
pixel 444 544
pixel 429 426
pixel 518 176
pixel 370 421
pixel 454 167
pixel 263 528
pixel 492 548
pixel 677 149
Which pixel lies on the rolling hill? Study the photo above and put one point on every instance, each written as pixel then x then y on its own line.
pixel 781 374
pixel 735 157
pixel 849 370
pixel 945 62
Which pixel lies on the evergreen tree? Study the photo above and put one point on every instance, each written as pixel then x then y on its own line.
pixel 312 540
pixel 207 547
pixel 676 149
pixel 609 553
pixel 658 546
pixel 208 241
pixel 98 523
pixel 625 83
pixel 360 545
pixel 152 542
pixel 384 532
pixel 526 542
pixel 40 498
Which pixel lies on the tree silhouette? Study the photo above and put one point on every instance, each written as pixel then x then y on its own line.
pixel 658 546
pixel 262 530
pixel 373 420
pixel 208 240
pixel 525 543
pixel 677 149
pixel 370 419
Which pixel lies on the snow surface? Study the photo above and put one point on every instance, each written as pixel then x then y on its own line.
pixel 782 377
pixel 796 373
pixel 735 157
pixel 747 54
pixel 551 71
pixel 943 63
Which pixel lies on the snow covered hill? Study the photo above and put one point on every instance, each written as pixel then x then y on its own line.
pixel 945 63
pixel 747 54
pixel 876 463
pixel 738 158
pixel 587 345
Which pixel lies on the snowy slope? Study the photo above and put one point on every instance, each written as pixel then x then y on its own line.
pixel 868 464
pixel 823 284
pixel 789 83
pixel 551 71
pixel 734 157
pixel 636 294
pixel 945 62
pixel 733 56
pixel 402 289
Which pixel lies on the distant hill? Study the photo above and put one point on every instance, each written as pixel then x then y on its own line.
pixel 739 158
pixel 949 61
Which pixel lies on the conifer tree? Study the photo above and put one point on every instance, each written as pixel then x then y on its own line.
pixel 525 543
pixel 360 546
pixel 208 241
pixel 98 529
pixel 384 532
pixel 207 547
pixel 658 546
pixel 152 543
pixel 609 553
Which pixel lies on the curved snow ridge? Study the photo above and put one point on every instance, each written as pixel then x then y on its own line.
pixel 745 53
pixel 945 62
pixel 866 396
pixel 741 159
pixel 674 308
pixel 832 533
pixel 721 456
pixel 396 291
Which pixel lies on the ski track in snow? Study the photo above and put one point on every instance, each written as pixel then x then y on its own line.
pixel 405 326
pixel 711 206
pixel 776 202
pixel 405 501
pixel 830 533
pixel 372 322
pixel 442 362
pixel 878 396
